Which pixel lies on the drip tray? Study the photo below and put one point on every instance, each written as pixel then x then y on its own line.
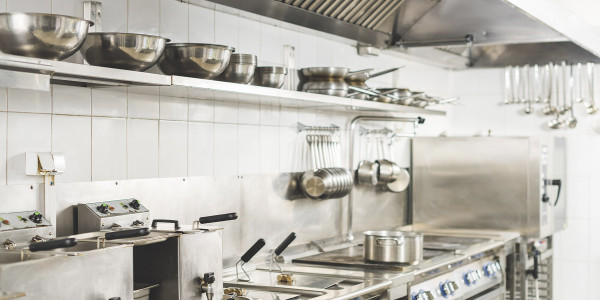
pixel 312 282
pixel 271 295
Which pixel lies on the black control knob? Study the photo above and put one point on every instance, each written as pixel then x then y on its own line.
pixel 103 208
pixel 36 217
pixel 209 278
pixel 135 204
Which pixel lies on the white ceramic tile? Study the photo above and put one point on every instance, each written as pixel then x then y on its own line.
pixel 594 193
pixel 3 5
pixel 576 274
pixel 269 149
pixel 248 113
pixel 249 41
pixel 109 149
pixel 200 149
pixel 289 149
pixel 173 108
pixel 70 100
pixel 142 149
pixel 271 49
pixel 226 112
pixel 25 133
pixel 594 269
pixel 143 106
pixel 109 103
pixel 72 135
pixel 38 6
pixel 577 156
pixel 306 51
pixel 174 20
pixel 575 240
pixel 3 148
pixel 114 16
pixel 143 17
pixel 288 116
pixel 201 110
pixel 226 29
pixel 594 241
pixel 306 116
pixel 248 149
pixel 29 101
pixel 172 151
pixel 226 147
pixel 3 99
pixel 578 197
pixel 269 115
pixel 68 7
pixel 325 52
pixel 202 25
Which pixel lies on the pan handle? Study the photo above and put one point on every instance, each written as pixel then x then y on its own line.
pixel 385 72
pixel 156 221
pixel 122 234
pixel 288 240
pixel 253 250
pixel 364 91
pixel 218 218
pixel 53 244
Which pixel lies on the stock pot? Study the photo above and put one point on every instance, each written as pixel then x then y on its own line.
pixel 393 247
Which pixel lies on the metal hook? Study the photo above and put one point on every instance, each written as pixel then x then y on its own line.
pixel 241 266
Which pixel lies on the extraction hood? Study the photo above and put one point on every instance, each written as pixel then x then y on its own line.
pixel 450 33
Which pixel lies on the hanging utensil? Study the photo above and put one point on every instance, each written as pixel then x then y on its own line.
pixel 550 89
pixel 556 122
pixel 508 86
pixel 591 107
pixel 526 91
pixel 566 75
pixel 571 121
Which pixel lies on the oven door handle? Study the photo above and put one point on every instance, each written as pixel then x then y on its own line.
pixel 556 182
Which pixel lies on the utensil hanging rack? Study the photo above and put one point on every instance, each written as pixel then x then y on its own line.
pixel 318 129
pixel 353 128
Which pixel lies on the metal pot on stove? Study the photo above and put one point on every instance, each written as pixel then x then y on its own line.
pixel 404 247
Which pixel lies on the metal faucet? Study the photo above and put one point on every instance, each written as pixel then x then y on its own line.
pixel 207 285
pixel 9 244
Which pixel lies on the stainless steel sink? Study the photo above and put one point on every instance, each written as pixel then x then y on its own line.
pixel 8 257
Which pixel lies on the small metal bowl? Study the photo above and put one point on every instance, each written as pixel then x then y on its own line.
pixel 205 61
pixel 45 36
pixel 129 51
pixel 269 76
pixel 240 69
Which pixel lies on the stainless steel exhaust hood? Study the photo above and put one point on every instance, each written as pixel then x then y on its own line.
pixel 449 33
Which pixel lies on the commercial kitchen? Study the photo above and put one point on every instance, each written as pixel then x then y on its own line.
pixel 299 149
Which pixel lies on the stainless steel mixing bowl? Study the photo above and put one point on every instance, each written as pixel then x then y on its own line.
pixel 44 36
pixel 240 69
pixel 204 61
pixel 269 76
pixel 129 51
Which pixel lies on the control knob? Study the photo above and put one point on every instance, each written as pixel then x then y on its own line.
pixel 490 269
pixel 447 288
pixel 135 204
pixel 36 217
pixel 103 208
pixel 422 295
pixel 471 277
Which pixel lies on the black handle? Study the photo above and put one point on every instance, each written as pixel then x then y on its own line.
pixel 156 221
pixel 288 240
pixel 123 234
pixel 556 182
pixel 420 120
pixel 536 266
pixel 253 250
pixel 218 218
pixel 53 244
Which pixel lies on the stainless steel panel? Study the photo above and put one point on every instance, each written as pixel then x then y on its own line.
pixel 492 183
pixel 200 253
pixel 83 276
pixel 23 80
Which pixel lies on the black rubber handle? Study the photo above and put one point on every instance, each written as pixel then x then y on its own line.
pixel 123 234
pixel 53 244
pixel 218 218
pixel 156 221
pixel 558 183
pixel 288 240
pixel 253 250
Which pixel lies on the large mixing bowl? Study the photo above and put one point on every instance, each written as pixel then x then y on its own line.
pixel 204 61
pixel 269 76
pixel 45 36
pixel 129 51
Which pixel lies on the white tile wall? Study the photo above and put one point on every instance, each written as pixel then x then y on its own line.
pixel 25 133
pixel 29 101
pixel 226 150
pixel 172 150
pixel 226 29
pixel 109 103
pixel 248 156
pixel 200 149
pixel 201 110
pixel 3 99
pixel 114 16
pixel 138 17
pixel 142 148
pixel 72 135
pixel 109 149
pixel 269 149
pixel 143 106
pixel 201 25
pixel 3 139
pixel 40 6
pixel 173 108
pixel 174 21
pixel 71 100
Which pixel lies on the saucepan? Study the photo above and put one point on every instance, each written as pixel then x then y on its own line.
pixel 404 247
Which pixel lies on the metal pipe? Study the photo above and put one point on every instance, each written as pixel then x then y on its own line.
pixel 467 41
pixel 355 121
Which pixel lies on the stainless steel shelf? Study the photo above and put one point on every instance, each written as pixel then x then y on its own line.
pixel 66 73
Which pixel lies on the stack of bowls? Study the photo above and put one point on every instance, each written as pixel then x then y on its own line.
pixel 325 80
pixel 129 51
pixel 205 61
pixel 269 76
pixel 45 36
pixel 240 69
